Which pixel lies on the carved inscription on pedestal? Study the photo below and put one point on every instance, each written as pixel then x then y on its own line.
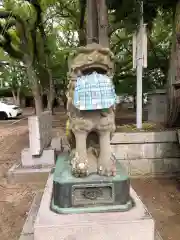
pixel 92 194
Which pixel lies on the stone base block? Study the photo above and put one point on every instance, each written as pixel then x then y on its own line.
pixel 135 224
pixel 19 174
pixel 47 158
pixel 73 195
pixel 28 229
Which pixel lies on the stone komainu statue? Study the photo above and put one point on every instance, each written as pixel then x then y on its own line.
pixel 90 108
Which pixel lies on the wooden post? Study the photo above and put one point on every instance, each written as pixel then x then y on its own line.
pixel 92 22
pixel 103 23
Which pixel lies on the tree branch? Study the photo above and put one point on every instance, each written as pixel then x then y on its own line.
pixel 7 45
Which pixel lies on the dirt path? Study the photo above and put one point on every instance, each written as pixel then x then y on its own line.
pixel 15 200
pixel 162 198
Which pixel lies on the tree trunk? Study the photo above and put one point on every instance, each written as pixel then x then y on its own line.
pixel 134 102
pixel 16 96
pixel 103 23
pixel 49 101
pixel 82 37
pixel 50 98
pixel 51 90
pixel 38 104
pixel 64 99
pixel 173 84
pixel 81 32
pixel 33 80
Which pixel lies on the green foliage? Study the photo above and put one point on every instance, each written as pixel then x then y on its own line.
pixel 14 76
pixel 159 41
pixel 128 11
pixel 62 25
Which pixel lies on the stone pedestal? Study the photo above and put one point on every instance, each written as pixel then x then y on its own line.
pixel 37 160
pixel 157 106
pixel 28 228
pixel 93 193
pixel 135 224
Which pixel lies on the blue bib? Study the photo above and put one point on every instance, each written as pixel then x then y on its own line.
pixel 93 92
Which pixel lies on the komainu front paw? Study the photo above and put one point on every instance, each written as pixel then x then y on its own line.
pixel 107 169
pixel 79 168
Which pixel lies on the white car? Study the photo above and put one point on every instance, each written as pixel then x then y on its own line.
pixel 9 111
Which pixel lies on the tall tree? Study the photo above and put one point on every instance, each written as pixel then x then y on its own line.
pixel 15 78
pixel 17 39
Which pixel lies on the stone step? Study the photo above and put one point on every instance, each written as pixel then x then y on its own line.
pixel 18 174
